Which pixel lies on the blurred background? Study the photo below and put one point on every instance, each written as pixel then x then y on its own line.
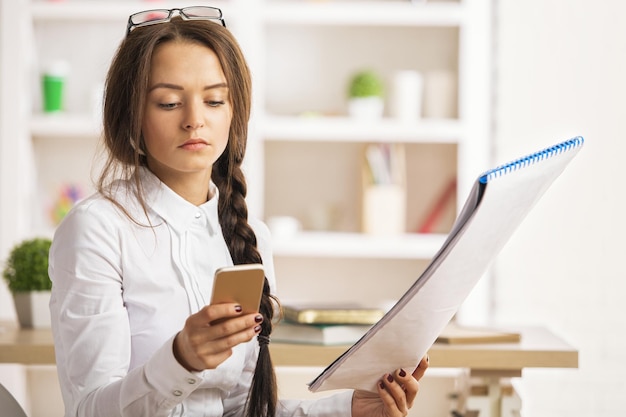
pixel 466 85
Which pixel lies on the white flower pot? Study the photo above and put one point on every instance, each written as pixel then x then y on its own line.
pixel 33 309
pixel 366 107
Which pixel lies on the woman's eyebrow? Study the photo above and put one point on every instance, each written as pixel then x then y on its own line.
pixel 179 87
pixel 218 85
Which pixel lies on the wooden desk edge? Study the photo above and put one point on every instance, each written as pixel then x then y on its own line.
pixel 484 358
pixel 35 347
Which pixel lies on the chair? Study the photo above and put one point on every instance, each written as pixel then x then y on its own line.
pixel 9 405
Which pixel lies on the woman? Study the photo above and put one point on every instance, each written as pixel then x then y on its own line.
pixel 132 265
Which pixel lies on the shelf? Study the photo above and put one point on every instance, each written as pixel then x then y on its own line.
pixel 63 125
pixel 355 245
pixel 349 129
pixel 377 13
pixel 281 128
pixel 360 13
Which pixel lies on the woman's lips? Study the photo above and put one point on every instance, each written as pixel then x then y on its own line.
pixel 194 145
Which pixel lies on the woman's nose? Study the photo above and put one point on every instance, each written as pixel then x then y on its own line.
pixel 193 117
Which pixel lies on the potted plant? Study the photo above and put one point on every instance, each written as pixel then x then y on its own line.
pixel 366 95
pixel 26 272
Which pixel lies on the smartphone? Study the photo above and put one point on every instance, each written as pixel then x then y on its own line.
pixel 241 284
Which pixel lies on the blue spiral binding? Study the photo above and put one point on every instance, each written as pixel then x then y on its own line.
pixel 531 159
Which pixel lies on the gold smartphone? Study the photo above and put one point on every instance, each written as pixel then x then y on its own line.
pixel 241 284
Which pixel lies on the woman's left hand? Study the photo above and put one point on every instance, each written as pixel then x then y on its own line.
pixel 396 394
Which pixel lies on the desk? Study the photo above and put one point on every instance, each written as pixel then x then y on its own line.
pixel 539 348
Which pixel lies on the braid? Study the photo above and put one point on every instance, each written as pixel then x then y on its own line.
pixel 242 244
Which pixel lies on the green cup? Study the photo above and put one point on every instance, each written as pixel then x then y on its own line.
pixel 53 84
pixel 53 93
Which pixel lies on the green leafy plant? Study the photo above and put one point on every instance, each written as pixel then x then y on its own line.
pixel 27 266
pixel 366 84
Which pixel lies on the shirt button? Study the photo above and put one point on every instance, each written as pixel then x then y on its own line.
pixel 178 393
pixel 191 381
pixel 198 215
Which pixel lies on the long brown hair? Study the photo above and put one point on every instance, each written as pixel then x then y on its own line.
pixel 126 89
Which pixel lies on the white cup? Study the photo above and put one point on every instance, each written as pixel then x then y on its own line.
pixel 406 95
pixel 440 95
pixel 283 226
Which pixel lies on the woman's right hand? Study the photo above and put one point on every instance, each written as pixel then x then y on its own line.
pixel 210 334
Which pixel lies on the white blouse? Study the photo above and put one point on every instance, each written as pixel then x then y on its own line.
pixel 122 290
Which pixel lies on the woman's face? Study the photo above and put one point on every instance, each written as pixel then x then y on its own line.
pixel 187 112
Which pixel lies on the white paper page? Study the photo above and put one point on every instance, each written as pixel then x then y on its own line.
pixel 410 328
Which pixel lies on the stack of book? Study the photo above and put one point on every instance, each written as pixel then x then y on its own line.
pixel 454 333
pixel 345 325
pixel 325 324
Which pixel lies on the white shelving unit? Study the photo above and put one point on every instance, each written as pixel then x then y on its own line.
pixel 387 36
pixel 301 53
pixel 346 129
pixel 353 245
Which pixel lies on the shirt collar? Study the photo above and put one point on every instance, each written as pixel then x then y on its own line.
pixel 175 210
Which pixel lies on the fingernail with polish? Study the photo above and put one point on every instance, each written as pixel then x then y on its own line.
pixel 402 373
pixel 257 328
pixel 258 318
pixel 389 378
pixel 238 309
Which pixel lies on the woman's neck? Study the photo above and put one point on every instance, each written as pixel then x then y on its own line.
pixel 193 187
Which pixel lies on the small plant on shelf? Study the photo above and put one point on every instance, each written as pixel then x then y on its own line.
pixel 366 84
pixel 366 95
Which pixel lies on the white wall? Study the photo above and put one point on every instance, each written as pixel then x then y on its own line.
pixel 561 71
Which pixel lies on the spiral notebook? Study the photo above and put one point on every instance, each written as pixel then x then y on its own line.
pixel 496 205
